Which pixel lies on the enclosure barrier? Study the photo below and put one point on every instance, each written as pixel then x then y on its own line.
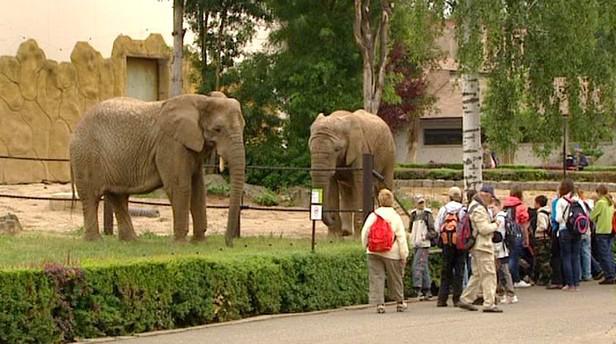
pixel 368 178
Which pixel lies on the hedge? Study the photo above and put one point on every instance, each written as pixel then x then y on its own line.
pixel 507 174
pixel 60 304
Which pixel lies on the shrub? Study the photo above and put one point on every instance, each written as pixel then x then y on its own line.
pixel 218 189
pixel 267 198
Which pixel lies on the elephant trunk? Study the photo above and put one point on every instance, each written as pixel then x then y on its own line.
pixel 237 166
pixel 321 179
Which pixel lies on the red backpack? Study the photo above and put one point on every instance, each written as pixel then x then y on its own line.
pixel 381 237
pixel 466 237
pixel 614 223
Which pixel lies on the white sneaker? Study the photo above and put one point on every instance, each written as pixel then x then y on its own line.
pixel 521 284
pixel 504 300
pixel 513 299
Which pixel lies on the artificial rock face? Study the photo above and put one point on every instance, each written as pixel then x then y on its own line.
pixel 41 100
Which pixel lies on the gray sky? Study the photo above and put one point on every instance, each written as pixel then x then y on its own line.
pixel 57 24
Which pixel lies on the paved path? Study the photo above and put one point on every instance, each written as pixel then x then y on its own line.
pixel 542 316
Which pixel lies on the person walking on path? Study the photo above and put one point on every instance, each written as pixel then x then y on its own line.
pixel 602 215
pixel 453 260
pixel 389 264
pixel 570 243
pixel 522 218
pixel 483 278
pixel 422 233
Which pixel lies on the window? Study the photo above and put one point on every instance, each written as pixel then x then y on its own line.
pixel 443 136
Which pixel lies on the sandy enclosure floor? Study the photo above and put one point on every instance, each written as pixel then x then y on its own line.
pixel 37 215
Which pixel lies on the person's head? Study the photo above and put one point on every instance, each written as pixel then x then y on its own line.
pixel 487 194
pixel 386 198
pixel 470 194
pixel 566 187
pixel 496 206
pixel 516 191
pixel 455 194
pixel 602 191
pixel 420 203
pixel 541 201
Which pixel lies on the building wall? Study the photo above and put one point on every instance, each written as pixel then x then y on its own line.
pixel 41 100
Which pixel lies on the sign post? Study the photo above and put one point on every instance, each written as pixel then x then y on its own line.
pixel 316 211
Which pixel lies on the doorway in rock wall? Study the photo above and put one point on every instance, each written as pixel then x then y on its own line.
pixel 142 80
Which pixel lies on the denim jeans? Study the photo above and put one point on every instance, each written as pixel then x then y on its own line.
pixel 586 257
pixel 606 257
pixel 421 269
pixel 570 247
pixel 514 260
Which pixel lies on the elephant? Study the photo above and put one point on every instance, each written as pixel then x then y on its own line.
pixel 340 140
pixel 125 146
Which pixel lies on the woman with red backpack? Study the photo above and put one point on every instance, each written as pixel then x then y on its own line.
pixel 384 237
pixel 603 215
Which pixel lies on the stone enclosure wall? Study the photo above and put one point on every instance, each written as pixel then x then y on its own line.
pixel 41 100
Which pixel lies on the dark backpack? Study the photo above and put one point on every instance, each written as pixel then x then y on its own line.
pixel 578 222
pixel 466 237
pixel 513 230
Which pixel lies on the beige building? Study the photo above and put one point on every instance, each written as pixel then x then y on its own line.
pixel 437 135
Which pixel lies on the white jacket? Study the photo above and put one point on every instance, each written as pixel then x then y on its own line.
pixel 451 207
pixel 562 207
pixel 400 249
pixel 500 249
pixel 419 228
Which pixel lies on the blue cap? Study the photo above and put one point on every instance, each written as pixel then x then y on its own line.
pixel 488 189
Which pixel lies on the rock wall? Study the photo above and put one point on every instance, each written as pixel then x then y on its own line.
pixel 41 100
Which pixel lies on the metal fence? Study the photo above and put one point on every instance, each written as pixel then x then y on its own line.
pixel 368 177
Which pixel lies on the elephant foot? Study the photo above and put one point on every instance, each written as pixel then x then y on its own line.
pixel 346 232
pixel 92 236
pixel 198 238
pixel 180 239
pixel 127 236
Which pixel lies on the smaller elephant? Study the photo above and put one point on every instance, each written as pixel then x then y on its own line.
pixel 125 146
pixel 340 140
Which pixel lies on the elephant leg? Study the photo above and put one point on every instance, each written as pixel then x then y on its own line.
pixel 90 217
pixel 333 202
pixel 346 201
pixel 126 232
pixel 197 206
pixel 180 202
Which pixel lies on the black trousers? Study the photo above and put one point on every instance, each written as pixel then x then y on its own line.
pixel 556 277
pixel 452 274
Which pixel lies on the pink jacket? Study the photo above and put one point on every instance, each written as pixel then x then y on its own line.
pixel 521 210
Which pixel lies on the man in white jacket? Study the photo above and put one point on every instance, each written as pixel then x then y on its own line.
pixel 422 232
pixel 390 263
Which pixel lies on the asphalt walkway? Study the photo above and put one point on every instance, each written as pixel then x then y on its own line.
pixel 542 316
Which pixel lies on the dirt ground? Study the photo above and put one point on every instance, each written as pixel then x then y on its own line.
pixel 36 215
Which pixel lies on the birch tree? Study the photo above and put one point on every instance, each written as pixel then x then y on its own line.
pixel 178 46
pixel 372 36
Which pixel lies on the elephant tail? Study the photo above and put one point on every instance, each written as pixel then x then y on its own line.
pixel 73 196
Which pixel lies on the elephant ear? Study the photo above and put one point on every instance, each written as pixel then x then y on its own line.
pixel 179 118
pixel 356 142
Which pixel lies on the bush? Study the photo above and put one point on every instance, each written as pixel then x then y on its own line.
pixel 267 198
pixel 218 189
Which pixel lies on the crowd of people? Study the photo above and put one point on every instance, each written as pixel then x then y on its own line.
pixel 489 246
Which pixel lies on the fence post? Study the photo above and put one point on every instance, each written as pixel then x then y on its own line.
pixel 368 184
pixel 107 217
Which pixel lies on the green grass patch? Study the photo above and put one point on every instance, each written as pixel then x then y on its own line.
pixel 33 250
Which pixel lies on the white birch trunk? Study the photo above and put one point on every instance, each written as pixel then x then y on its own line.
pixel 178 46
pixel 471 132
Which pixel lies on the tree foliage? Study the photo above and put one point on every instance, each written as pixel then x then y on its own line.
pixel 524 46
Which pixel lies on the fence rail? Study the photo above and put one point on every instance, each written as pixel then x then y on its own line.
pixel 368 179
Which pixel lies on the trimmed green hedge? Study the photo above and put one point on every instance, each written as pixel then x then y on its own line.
pixel 507 174
pixel 61 304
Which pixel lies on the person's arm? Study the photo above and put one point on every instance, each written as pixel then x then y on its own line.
pixel 366 228
pixel 597 211
pixel 561 207
pixel 401 238
pixel 439 219
pixel 481 221
pixel 429 221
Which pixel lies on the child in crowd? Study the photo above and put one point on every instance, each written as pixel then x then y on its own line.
pixel 505 289
pixel 422 233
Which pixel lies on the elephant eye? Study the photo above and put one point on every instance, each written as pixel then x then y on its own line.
pixel 217 129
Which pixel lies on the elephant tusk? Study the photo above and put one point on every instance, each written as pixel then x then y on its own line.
pixel 221 164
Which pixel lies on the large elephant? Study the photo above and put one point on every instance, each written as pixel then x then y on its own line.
pixel 339 140
pixel 125 146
